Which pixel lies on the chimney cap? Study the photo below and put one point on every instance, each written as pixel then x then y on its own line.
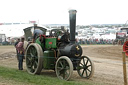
pixel 72 11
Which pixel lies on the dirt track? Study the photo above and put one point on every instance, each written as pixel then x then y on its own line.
pixel 108 63
pixel 107 60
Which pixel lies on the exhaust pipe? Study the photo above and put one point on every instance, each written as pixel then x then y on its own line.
pixel 72 18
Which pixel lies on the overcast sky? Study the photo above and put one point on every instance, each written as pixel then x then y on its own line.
pixel 56 11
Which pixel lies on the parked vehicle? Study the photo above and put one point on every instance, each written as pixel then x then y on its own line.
pixel 121 36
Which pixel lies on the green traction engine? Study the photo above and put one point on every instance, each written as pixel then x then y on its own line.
pixel 57 51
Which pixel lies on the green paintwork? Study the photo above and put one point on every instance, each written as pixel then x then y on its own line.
pixel 50 43
pixel 38 41
pixel 48 55
pixel 49 59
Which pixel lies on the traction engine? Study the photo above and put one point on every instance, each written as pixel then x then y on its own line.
pixel 58 51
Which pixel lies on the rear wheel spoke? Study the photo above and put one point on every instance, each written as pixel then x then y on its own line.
pixel 64 75
pixel 64 63
pixel 59 68
pixel 61 64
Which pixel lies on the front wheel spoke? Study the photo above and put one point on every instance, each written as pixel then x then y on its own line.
pixel 88 70
pixel 81 64
pixel 86 62
pixel 83 61
pixel 79 67
pixel 86 73
pixel 89 65
pixel 83 73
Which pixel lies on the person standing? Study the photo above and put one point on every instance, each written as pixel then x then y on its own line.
pixel 20 49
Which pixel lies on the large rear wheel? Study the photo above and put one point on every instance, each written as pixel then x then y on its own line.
pixel 64 68
pixel 85 67
pixel 34 56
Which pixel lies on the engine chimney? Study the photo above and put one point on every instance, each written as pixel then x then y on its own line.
pixel 72 17
pixel 71 49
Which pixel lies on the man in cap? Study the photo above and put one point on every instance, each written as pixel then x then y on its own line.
pixel 20 49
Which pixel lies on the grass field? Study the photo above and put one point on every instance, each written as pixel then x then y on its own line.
pixel 16 77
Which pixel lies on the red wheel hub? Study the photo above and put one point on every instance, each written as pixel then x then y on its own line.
pixel 125 48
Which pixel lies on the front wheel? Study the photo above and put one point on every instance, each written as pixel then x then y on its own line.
pixel 64 68
pixel 85 67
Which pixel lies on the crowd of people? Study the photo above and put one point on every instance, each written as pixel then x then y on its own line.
pixel 95 41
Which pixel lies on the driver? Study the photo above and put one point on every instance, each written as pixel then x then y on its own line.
pixel 36 33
